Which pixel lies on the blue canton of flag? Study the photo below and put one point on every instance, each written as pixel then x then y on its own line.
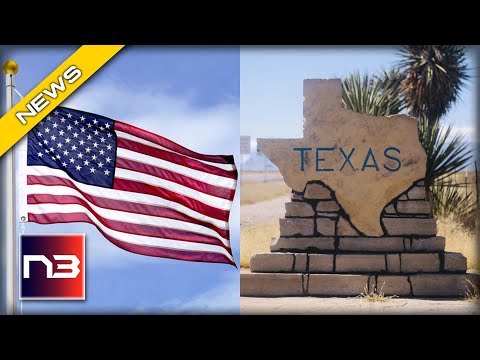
pixel 79 143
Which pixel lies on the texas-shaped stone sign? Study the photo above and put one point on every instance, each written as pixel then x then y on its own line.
pixel 366 160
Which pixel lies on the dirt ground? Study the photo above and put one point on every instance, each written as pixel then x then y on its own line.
pixel 355 306
pixel 258 224
pixel 263 212
pixel 260 176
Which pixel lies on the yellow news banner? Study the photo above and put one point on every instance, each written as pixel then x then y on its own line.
pixel 88 59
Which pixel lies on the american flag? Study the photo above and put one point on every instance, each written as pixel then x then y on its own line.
pixel 144 193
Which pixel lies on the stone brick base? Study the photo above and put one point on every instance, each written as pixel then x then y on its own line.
pixel 418 285
pixel 405 263
pixel 321 253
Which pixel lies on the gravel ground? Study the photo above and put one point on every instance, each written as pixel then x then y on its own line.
pixel 357 306
pixel 263 212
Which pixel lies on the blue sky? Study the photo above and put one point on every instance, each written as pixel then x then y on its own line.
pixel 189 95
pixel 271 85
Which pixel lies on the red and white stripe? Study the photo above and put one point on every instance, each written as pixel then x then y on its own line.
pixel 166 201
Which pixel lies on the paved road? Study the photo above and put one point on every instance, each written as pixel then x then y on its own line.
pixel 263 212
pixel 259 177
pixel 344 306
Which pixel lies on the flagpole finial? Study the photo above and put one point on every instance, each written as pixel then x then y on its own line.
pixel 10 67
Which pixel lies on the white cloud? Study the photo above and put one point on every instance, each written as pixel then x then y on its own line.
pixel 221 299
pixel 211 130
pixel 253 144
pixel 468 131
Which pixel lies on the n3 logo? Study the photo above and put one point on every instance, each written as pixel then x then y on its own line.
pixel 53 267
pixel 73 266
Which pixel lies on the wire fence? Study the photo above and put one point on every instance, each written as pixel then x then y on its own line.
pixel 467 180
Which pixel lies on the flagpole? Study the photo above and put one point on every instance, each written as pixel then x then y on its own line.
pixel 10 68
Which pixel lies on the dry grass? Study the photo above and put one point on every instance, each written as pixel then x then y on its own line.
pixel 375 295
pixel 461 177
pixel 466 182
pixel 252 193
pixel 256 239
pixel 473 292
pixel 460 239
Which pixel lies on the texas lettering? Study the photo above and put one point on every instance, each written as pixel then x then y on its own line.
pixel 386 159
pixel 365 160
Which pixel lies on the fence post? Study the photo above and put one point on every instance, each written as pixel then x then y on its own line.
pixel 476 182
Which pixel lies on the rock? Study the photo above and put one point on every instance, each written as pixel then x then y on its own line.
pixel 329 127
pixel 359 263
pixel 393 263
pixel 413 263
pixel 455 262
pixel 407 242
pixel 417 193
pixel 271 262
pixel 393 285
pixel 432 244
pixel 439 284
pixel 414 207
pixel 336 284
pixel 327 215
pixel 300 263
pixel 273 243
pixel 423 285
pixel 296 196
pixel 298 209
pixel 265 285
pixel 320 263
pixel 326 227
pixel 293 226
pixel 310 244
pixel 390 209
pixel 384 244
pixel 403 197
pixel 317 191
pixel 326 206
pixel 345 229
pixel 410 226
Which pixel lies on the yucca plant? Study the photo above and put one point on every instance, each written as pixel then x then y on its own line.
pixel 426 83
pixel 446 154
pixel 391 79
pixel 371 95
pixel 450 199
pixel 433 78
